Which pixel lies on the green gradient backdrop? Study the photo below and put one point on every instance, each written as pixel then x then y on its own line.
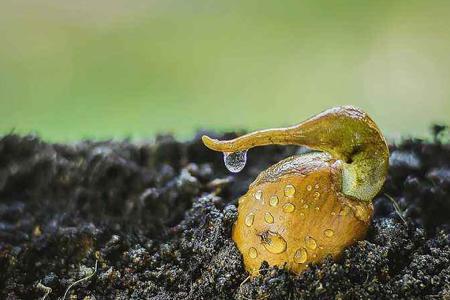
pixel 102 69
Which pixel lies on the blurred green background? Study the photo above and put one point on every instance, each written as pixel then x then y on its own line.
pixel 115 69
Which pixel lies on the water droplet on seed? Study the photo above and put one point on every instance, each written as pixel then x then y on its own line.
pixel 344 211
pixel 235 161
pixel 316 186
pixel 258 195
pixel 329 232
pixel 249 219
pixel 300 256
pixel 289 190
pixel 273 201
pixel 310 243
pixel 252 252
pixel 316 195
pixel 288 207
pixel 273 242
pixel 268 218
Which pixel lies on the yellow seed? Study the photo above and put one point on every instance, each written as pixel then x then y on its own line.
pixel 249 219
pixel 289 190
pixel 310 243
pixel 252 252
pixel 328 232
pixel 274 242
pixel 268 218
pixel 273 201
pixel 302 214
pixel 288 207
pixel 300 256
pixel 318 180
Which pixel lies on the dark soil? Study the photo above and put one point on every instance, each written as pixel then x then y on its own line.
pixel 157 220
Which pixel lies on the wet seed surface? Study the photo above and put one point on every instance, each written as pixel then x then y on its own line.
pixel 157 218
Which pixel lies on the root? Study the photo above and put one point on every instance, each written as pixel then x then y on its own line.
pixel 44 288
pixel 397 208
pixel 81 280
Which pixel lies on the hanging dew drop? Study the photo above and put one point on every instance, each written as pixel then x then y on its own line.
pixel 235 161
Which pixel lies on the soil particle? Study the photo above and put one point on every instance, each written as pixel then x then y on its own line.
pixel 157 219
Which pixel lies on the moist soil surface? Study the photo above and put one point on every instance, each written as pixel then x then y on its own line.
pixel 122 220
